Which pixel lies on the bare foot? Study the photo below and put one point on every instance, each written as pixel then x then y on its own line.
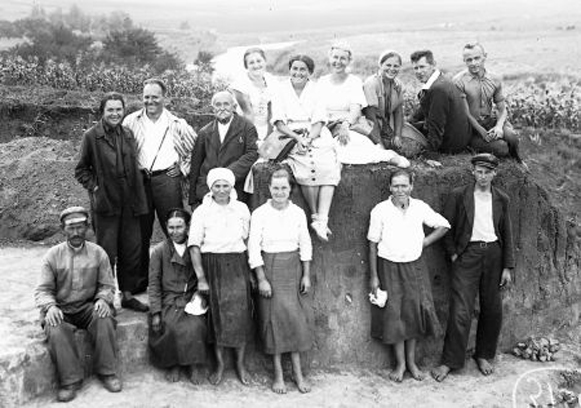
pixel 196 376
pixel 440 373
pixel 397 373
pixel 278 385
pixel 216 377
pixel 415 372
pixel 242 374
pixel 173 374
pixel 484 366
pixel 302 385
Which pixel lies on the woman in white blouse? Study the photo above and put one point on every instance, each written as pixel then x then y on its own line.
pixel 343 98
pixel 297 112
pixel 280 252
pixel 218 230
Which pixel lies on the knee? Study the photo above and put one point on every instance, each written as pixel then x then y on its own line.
pixel 103 324
pixel 57 333
pixel 499 148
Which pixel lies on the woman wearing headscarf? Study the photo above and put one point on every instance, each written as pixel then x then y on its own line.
pixel 218 231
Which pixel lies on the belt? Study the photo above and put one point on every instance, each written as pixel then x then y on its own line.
pixel 154 173
pixel 482 244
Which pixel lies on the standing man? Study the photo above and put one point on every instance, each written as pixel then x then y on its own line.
pixel 164 148
pixel 481 251
pixel 76 290
pixel 228 141
pixel 481 92
pixel 441 116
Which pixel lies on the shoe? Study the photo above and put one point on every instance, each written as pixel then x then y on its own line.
pixel 320 229
pixel 68 393
pixel 134 304
pixel 112 383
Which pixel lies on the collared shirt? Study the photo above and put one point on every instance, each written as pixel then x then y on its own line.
pixel 157 152
pixel 400 234
pixel 481 92
pixel 220 228
pixel 70 278
pixel 431 80
pixel 180 248
pixel 483 228
pixel 223 129
pixel 273 230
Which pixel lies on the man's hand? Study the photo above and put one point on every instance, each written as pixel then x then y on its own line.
pixel 54 316
pixel 433 163
pixel 264 288
pixel 156 323
pixel 505 279
pixel 173 171
pixel 203 286
pixel 102 308
pixel 454 257
pixel 305 285
pixel 496 133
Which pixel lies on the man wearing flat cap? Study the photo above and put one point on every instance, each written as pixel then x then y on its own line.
pixel 75 290
pixel 481 251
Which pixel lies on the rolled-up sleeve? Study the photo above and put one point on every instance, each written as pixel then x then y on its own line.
pixel 434 220
pixel 375 225
pixel 196 234
pixel 305 244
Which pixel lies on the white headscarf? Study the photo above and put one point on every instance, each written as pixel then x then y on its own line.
pixel 221 173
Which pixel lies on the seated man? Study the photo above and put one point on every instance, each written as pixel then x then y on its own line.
pixel 228 141
pixel 76 290
pixel 441 116
pixel 481 92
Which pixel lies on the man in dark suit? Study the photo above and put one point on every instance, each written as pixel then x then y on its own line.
pixel 441 116
pixel 481 250
pixel 228 141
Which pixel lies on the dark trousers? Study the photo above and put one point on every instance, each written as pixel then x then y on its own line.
pixel 476 272
pixel 63 350
pixel 120 236
pixel 508 146
pixel 163 193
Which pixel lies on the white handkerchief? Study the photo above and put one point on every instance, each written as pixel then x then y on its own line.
pixel 379 299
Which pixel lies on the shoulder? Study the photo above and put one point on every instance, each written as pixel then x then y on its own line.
pixel 380 207
pixel 132 117
pixel 93 248
pixel 206 129
pixel 240 207
pixel 371 80
pixel 295 209
pixel 55 251
pixel 461 76
pixel 159 248
pixel 354 80
pixel 501 194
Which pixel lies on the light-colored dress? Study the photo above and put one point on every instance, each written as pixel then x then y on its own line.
pixel 260 98
pixel 337 99
pixel 319 165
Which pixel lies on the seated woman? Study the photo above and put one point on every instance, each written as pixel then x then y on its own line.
pixel 218 231
pixel 343 98
pixel 396 241
pixel 298 113
pixel 253 91
pixel 280 251
pixel 177 338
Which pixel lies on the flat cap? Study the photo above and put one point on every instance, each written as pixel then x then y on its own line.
pixel 485 160
pixel 80 215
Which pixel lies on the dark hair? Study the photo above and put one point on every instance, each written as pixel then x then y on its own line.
pixel 158 82
pixel 281 172
pixel 253 50
pixel 388 55
pixel 303 58
pixel 111 96
pixel 418 55
pixel 178 213
pixel 401 172
pixel 475 44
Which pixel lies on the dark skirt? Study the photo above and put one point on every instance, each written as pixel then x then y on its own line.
pixel 285 318
pixel 230 314
pixel 182 340
pixel 409 312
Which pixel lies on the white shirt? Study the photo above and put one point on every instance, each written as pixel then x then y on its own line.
pixel 400 234
pixel 154 134
pixel 223 129
pixel 338 98
pixel 483 228
pixel 302 110
pixel 431 80
pixel 273 231
pixel 220 228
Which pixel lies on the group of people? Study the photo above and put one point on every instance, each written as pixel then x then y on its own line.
pixel 199 279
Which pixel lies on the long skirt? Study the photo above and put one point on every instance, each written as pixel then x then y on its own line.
pixel 409 312
pixel 286 318
pixel 230 315
pixel 182 340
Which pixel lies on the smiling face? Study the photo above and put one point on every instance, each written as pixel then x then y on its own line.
pixel 221 191
pixel 423 69
pixel 177 229
pixel 113 112
pixel 390 67
pixel 401 188
pixel 223 105
pixel 339 60
pixel 280 190
pixel 474 58
pixel 153 100
pixel 299 73
pixel 255 64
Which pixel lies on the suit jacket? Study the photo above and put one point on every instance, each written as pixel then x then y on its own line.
pixel 459 210
pixel 446 124
pixel 97 167
pixel 238 152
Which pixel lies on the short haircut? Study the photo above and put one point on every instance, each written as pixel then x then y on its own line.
pixel 253 50
pixel 158 82
pixel 343 46
pixel 178 213
pixel 111 96
pixel 401 172
pixel 281 172
pixel 389 54
pixel 303 58
pixel 473 45
pixel 418 55
pixel 233 99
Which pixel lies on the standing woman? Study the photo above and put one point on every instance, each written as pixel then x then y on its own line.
pixel 177 339
pixel 108 169
pixel 218 230
pixel 253 91
pixel 280 252
pixel 299 114
pixel 396 241
pixel 343 99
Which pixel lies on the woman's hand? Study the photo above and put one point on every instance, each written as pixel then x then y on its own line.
pixel 374 284
pixel 156 323
pixel 343 134
pixel 203 286
pixel 305 285
pixel 264 288
pixel 397 142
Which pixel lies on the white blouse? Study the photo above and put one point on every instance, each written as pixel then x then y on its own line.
pixel 273 231
pixel 400 234
pixel 288 107
pixel 337 98
pixel 220 228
